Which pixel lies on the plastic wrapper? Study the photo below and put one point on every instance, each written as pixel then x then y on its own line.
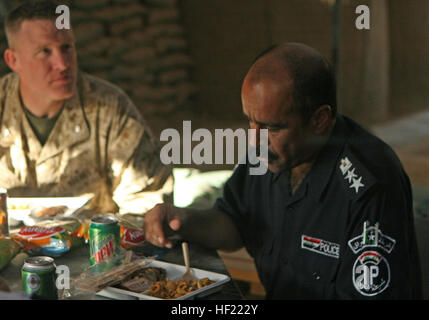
pixel 9 248
pixel 108 273
pixel 50 238
pixel 132 238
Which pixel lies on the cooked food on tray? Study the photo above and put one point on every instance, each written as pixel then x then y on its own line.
pixel 142 279
pixel 168 289
pixel 153 281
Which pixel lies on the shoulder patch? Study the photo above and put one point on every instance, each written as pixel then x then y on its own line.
pixel 371 273
pixel 371 236
pixel 356 179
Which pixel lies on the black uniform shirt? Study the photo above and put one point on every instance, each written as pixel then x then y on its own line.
pixel 346 233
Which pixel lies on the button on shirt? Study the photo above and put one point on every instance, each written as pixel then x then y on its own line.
pixel 346 233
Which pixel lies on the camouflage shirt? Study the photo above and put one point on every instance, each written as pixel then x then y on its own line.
pixel 100 143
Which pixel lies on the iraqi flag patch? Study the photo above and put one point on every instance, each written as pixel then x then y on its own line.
pixel 324 247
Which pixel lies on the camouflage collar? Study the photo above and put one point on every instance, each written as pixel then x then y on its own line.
pixel 70 128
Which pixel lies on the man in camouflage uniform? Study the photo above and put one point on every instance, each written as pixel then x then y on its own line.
pixel 66 133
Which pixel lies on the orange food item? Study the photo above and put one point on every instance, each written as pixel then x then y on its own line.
pixel 167 289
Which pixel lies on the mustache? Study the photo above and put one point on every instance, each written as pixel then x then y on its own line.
pixel 271 154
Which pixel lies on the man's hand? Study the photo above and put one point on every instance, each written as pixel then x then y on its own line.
pixel 158 219
pixel 210 228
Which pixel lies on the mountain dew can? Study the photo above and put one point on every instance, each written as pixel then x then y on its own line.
pixel 104 239
pixel 39 278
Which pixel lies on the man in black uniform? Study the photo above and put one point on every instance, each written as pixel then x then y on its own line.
pixel 333 216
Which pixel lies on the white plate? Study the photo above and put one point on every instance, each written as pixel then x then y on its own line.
pixel 25 206
pixel 173 272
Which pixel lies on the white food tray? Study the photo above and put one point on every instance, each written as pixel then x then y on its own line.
pixel 173 272
pixel 25 206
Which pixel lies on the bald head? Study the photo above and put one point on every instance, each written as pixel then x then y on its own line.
pixel 300 68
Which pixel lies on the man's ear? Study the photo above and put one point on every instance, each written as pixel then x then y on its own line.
pixel 321 119
pixel 11 59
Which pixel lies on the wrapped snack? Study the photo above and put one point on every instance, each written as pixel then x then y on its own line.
pixel 93 281
pixel 131 238
pixel 132 233
pixel 78 227
pixel 9 248
pixel 51 239
pixel 82 231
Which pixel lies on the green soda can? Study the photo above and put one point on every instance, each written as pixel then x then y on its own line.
pixel 39 277
pixel 104 239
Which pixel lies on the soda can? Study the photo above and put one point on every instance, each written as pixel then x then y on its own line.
pixel 4 224
pixel 104 239
pixel 39 278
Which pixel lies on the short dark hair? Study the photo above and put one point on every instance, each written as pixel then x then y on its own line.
pixel 314 89
pixel 314 84
pixel 29 10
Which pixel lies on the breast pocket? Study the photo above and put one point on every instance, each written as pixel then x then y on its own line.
pixel 313 275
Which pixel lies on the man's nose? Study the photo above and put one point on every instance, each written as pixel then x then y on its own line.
pixel 61 61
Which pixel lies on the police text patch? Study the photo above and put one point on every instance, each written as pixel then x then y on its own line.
pixel 320 246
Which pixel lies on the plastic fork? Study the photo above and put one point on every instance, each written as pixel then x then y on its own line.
pixel 187 276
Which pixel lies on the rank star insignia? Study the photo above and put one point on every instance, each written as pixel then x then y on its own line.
pixel 350 175
pixel 345 165
pixel 357 184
